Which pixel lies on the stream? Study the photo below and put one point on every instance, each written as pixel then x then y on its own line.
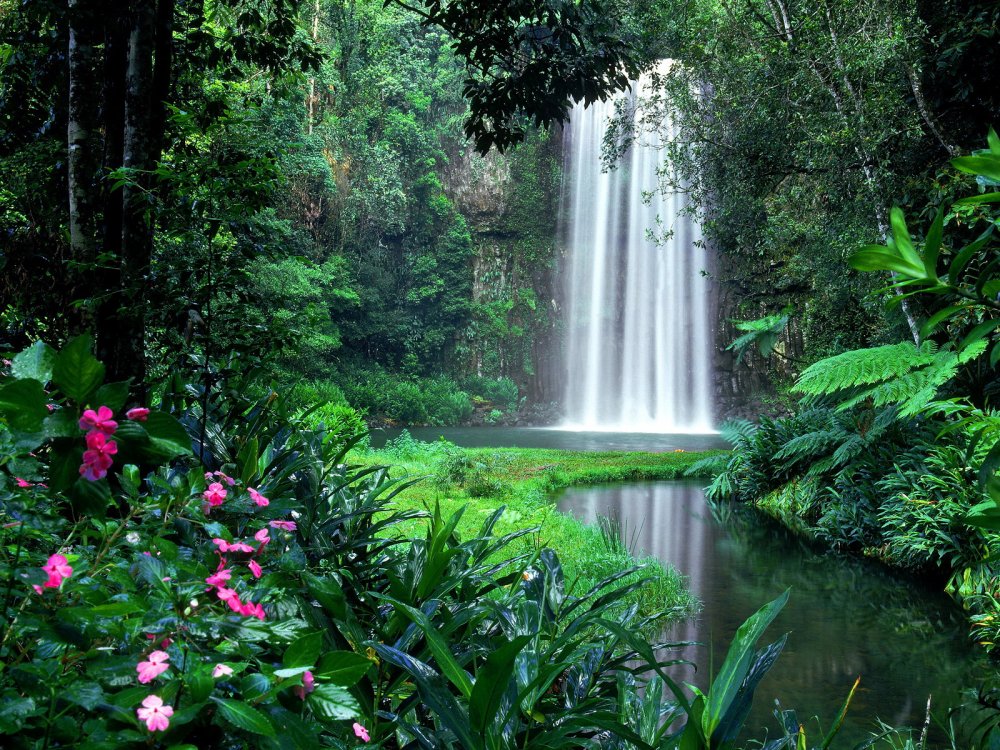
pixel 845 617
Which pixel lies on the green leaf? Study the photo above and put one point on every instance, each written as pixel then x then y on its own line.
pixel 978 200
pixel 34 363
pixel 878 258
pixel 242 716
pixel 937 318
pixel 76 371
pixel 22 402
pixel 993 141
pixel 90 498
pixel 113 396
pixel 901 236
pixel 343 667
pixel 438 646
pixel 167 434
pixel 964 255
pixel 333 703
pixel 737 664
pixel 304 651
pixel 62 423
pixel 491 683
pixel 932 245
pixel 987 166
pixel 87 695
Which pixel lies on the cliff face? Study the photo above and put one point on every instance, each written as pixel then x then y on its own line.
pixel 510 203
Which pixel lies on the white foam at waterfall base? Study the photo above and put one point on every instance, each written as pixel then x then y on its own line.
pixel 637 318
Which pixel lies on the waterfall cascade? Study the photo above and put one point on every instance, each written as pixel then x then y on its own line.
pixel 638 333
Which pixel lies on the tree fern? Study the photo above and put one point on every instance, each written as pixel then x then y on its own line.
pixel 899 374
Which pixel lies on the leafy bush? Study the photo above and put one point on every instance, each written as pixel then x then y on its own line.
pixel 501 392
pixel 265 602
pixel 340 421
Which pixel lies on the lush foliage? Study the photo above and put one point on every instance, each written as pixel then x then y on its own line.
pixel 894 451
pixel 274 602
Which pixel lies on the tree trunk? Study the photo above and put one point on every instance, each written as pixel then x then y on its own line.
pixel 82 151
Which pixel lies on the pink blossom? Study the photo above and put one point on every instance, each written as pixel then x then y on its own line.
pixel 258 498
pixel 222 670
pixel 230 597
pixel 99 421
pixel 255 568
pixel 249 609
pixel 215 494
pixel 361 733
pixel 225 546
pixel 307 686
pixel 262 536
pixel 221 476
pixel 58 570
pixel 286 525
pixel 138 414
pixel 97 459
pixel 155 714
pixel 23 483
pixel 219 577
pixel 154 667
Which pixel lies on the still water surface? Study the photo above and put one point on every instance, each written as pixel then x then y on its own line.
pixel 547 437
pixel 845 617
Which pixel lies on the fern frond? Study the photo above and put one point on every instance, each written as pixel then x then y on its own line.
pixel 863 367
pixel 710 466
pixel 735 430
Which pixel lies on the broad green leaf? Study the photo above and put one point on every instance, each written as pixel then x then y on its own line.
pixel 76 371
pixel 34 363
pixel 939 317
pixel 22 403
pixel 113 396
pixel 737 664
pixel 901 236
pixel 63 423
pixel 90 498
pixel 438 646
pixel 978 333
pixel 932 245
pixel 491 683
pixel 977 200
pixel 243 716
pixel 333 703
pixel 167 434
pixel 87 695
pixel 878 258
pixel 987 166
pixel 343 667
pixel 304 651
pixel 993 141
pixel 964 255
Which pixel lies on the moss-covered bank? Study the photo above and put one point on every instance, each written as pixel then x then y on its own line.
pixel 522 480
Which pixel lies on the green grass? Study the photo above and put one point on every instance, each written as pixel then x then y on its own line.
pixel 523 480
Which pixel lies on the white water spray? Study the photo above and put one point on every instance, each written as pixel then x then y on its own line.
pixel 638 332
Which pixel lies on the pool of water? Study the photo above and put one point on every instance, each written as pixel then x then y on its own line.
pixel 845 618
pixel 547 437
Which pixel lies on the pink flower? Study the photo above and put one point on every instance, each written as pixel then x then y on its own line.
pixel 58 570
pixel 361 732
pixel 138 414
pixel 97 459
pixel 222 670
pixel 258 498
pixel 254 568
pixel 262 536
pixel 215 494
pixel 155 714
pixel 99 421
pixel 249 609
pixel 307 686
pixel 23 483
pixel 219 577
pixel 225 546
pixel 150 670
pixel 286 525
pixel 230 597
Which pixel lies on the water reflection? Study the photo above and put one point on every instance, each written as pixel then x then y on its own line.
pixel 544 437
pixel 845 617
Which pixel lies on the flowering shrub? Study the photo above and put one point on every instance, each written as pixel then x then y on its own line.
pixel 263 597
pixel 145 600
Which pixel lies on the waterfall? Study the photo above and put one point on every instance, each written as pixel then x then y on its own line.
pixel 637 312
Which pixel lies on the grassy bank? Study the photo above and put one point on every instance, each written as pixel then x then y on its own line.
pixel 523 480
